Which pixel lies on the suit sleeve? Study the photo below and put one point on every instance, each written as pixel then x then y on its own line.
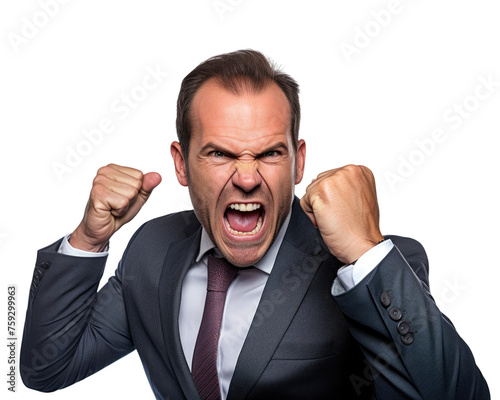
pixel 412 349
pixel 71 330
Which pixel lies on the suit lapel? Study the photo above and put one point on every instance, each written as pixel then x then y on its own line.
pixel 299 257
pixel 180 256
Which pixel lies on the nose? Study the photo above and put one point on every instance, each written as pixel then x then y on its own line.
pixel 246 176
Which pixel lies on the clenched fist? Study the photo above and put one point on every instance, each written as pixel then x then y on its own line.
pixel 117 195
pixel 342 204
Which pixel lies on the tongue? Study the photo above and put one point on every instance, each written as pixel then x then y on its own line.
pixel 242 221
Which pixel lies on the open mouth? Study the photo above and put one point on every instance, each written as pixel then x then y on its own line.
pixel 244 219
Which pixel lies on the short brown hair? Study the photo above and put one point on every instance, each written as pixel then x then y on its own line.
pixel 237 71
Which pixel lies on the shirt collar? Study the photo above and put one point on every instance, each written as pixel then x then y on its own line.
pixel 266 263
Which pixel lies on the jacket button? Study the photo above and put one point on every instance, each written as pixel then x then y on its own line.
pixel 395 314
pixel 45 265
pixel 403 327
pixel 385 299
pixel 408 338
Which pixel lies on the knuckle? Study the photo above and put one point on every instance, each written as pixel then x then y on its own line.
pixel 101 171
pixel 104 172
pixel 325 187
pixel 99 190
pixel 137 185
pixel 105 169
pixel 132 192
pixel 134 173
pixel 357 172
pixel 99 178
pixel 112 167
pixel 122 203
pixel 323 184
pixel 366 170
pixel 352 169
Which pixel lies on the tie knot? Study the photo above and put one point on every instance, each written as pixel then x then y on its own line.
pixel 220 274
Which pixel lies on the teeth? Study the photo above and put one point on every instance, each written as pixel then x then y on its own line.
pixel 238 233
pixel 244 207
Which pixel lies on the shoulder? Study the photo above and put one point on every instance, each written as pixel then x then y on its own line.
pixel 179 224
pixel 165 229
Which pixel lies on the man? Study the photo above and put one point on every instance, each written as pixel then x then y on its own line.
pixel 319 304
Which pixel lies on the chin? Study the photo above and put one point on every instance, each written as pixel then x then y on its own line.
pixel 244 255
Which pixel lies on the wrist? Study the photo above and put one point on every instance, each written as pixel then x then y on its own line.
pixel 354 262
pixel 358 248
pixel 80 241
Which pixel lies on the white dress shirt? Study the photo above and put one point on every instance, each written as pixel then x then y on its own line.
pixel 242 298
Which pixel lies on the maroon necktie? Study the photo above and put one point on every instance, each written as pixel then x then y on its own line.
pixel 204 368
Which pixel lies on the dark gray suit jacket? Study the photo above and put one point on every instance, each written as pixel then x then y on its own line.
pixel 384 339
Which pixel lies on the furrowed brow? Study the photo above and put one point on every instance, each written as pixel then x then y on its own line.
pixel 276 146
pixel 211 146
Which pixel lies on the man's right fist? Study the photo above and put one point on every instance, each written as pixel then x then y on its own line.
pixel 117 195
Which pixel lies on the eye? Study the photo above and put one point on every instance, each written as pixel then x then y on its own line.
pixel 217 154
pixel 271 154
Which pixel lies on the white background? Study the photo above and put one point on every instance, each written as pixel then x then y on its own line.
pixel 367 108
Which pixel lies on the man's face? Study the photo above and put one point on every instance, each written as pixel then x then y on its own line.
pixel 242 168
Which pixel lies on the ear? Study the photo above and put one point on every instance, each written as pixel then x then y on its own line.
pixel 301 161
pixel 179 163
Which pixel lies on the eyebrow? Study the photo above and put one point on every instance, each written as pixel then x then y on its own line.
pixel 279 145
pixel 219 147
pixel 213 146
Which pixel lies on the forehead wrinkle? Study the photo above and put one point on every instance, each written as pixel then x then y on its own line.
pixel 240 145
pixel 246 108
pixel 236 134
pixel 234 119
pixel 248 123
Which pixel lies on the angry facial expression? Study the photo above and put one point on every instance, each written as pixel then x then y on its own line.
pixel 242 168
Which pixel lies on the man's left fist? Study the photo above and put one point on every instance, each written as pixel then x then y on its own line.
pixel 342 204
